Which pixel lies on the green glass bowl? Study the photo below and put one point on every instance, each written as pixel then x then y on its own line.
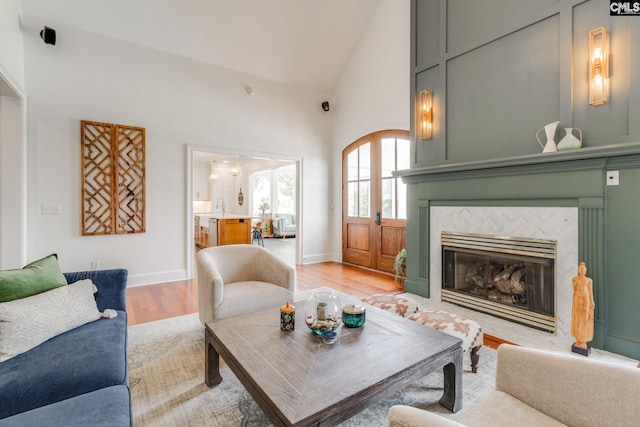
pixel 354 315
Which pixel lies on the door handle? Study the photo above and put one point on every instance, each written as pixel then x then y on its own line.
pixel 378 218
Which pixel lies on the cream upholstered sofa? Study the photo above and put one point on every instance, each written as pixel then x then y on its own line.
pixel 539 388
pixel 239 279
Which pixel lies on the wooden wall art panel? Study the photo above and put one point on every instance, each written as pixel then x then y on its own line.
pixel 97 178
pixel 130 180
pixel 113 178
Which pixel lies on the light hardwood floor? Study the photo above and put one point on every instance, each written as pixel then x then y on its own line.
pixel 165 300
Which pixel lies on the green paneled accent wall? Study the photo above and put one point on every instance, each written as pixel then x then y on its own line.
pixel 591 249
pixel 474 108
pixel 499 70
pixel 623 256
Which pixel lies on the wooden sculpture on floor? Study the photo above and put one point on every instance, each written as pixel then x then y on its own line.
pixel 583 307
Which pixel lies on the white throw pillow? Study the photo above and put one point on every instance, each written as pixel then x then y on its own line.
pixel 28 322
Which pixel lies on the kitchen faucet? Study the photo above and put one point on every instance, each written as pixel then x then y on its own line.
pixel 220 199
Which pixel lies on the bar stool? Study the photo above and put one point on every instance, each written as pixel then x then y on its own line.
pixel 256 234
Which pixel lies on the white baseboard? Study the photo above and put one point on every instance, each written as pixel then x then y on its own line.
pixel 160 277
pixel 314 259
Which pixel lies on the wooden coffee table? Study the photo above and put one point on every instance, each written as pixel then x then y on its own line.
pixel 298 380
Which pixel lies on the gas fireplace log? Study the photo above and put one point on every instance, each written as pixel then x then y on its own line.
pixel 507 271
pixel 480 275
pixel 504 274
pixel 508 280
pixel 517 273
pixel 476 281
pixel 518 286
pixel 473 278
pixel 488 271
pixel 503 286
pixel 510 287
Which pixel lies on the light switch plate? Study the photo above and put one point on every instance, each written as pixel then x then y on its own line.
pixel 49 209
pixel 613 178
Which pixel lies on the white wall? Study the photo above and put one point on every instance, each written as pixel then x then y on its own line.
pixel 179 102
pixel 11 183
pixel 373 93
pixel 12 143
pixel 11 51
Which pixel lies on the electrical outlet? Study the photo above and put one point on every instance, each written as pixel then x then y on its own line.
pixel 613 178
pixel 95 265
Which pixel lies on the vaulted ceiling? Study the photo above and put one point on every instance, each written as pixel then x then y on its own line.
pixel 302 43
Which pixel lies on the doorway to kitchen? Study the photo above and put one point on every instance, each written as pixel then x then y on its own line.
pixel 264 188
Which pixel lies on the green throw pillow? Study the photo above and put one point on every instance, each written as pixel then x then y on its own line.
pixel 37 277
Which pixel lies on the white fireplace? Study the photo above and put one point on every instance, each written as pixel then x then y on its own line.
pixel 554 223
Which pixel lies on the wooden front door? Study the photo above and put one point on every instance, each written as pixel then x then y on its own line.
pixel 373 201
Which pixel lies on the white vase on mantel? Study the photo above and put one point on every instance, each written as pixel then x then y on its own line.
pixel 550 132
pixel 570 142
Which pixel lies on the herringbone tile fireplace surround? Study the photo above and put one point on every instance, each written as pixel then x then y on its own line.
pixel 555 223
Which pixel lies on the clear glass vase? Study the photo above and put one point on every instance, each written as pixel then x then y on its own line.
pixel 324 311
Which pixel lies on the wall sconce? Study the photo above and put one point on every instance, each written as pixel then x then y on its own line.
pixel 598 66
pixel 426 114
pixel 213 177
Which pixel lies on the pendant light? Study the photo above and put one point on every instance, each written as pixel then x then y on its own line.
pixel 234 169
pixel 213 177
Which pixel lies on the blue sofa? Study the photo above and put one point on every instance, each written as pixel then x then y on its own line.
pixel 284 225
pixel 78 378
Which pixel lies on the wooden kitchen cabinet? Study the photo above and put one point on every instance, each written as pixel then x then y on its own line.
pixel 201 234
pixel 205 238
pixel 229 230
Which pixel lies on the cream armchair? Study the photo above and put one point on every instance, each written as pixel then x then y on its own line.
pixel 539 388
pixel 238 279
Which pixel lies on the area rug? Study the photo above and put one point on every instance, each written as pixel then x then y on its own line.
pixel 166 374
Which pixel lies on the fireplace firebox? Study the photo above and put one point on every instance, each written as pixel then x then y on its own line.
pixel 508 277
